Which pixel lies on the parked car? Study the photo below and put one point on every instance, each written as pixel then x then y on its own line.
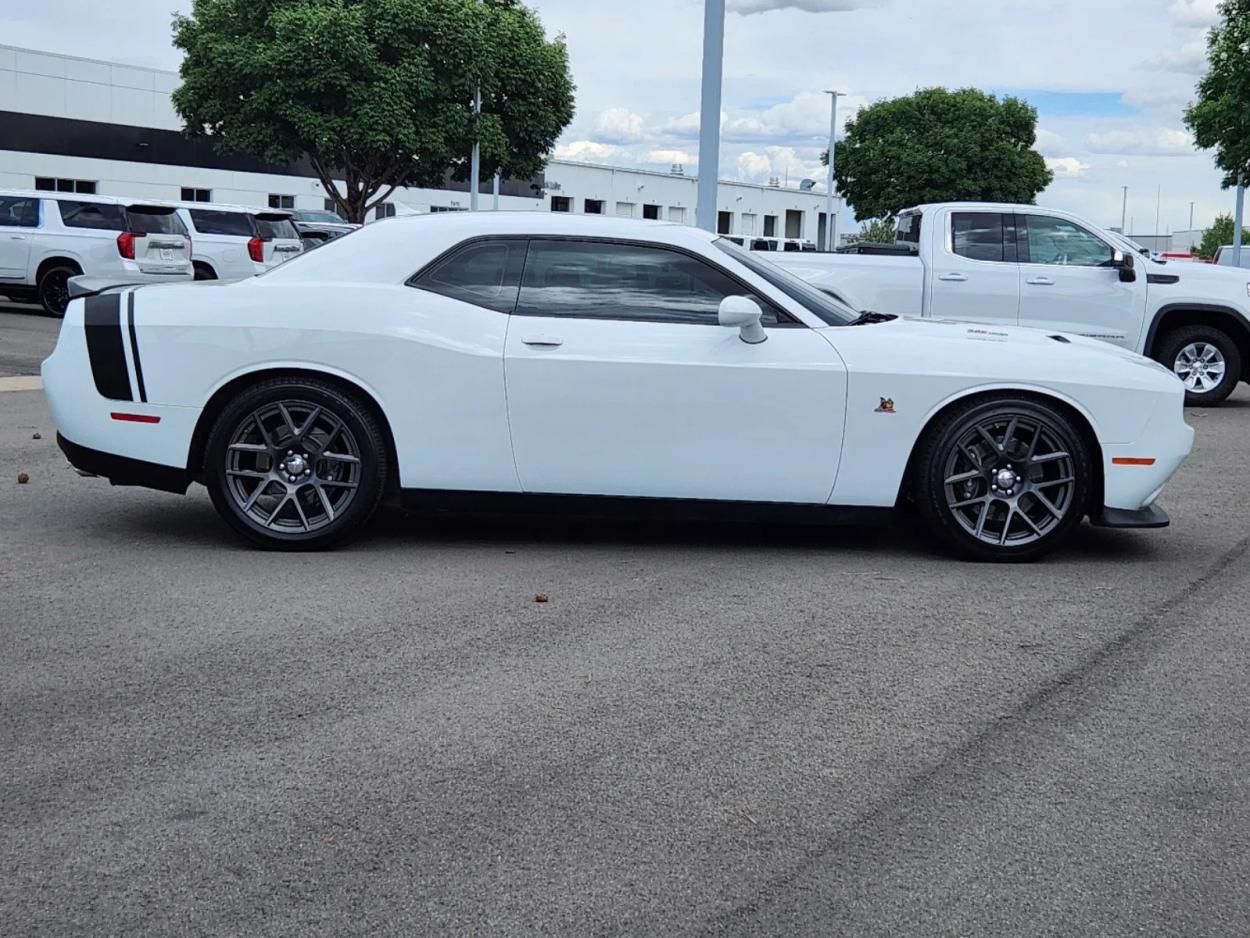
pixel 533 361
pixel 231 241
pixel 1001 264
pixel 317 226
pixel 1224 256
pixel 48 237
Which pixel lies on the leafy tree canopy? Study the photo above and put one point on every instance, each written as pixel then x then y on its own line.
pixel 1219 234
pixel 376 92
pixel 877 231
pixel 1220 118
pixel 939 146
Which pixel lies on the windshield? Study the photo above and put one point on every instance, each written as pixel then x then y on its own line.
pixel 313 214
pixel 819 304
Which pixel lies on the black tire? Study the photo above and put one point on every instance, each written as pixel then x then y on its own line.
pixel 53 289
pixel 251 447
pixel 1036 515
pixel 1175 351
pixel 204 272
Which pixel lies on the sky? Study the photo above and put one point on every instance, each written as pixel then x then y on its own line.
pixel 1109 78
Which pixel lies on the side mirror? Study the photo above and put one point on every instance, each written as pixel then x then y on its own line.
pixel 1124 264
pixel 744 314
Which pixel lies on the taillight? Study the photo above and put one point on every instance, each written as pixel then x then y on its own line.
pixel 126 244
pixel 256 250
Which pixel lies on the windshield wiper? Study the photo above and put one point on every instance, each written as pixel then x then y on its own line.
pixel 868 317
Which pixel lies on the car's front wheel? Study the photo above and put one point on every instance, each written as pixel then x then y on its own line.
pixel 1206 359
pixel 296 464
pixel 1003 480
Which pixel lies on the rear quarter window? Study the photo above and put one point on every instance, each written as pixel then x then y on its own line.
pixel 276 228
pixel 209 222
pixel 97 215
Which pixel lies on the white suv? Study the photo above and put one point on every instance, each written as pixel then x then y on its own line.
pixel 46 238
pixel 232 241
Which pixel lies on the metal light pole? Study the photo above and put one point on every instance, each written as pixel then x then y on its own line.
pixel 475 161
pixel 1237 215
pixel 709 115
pixel 494 190
pixel 1124 211
pixel 1158 205
pixel 1191 216
pixel 831 220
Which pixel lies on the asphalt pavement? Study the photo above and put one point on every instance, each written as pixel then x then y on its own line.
pixel 706 730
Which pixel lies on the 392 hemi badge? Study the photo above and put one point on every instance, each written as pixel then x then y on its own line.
pixel 886 406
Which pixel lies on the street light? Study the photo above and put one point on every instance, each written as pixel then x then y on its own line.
pixel 831 220
pixel 709 114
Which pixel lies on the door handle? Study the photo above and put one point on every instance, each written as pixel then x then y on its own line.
pixel 957 278
pixel 1041 281
pixel 542 341
pixel 17 237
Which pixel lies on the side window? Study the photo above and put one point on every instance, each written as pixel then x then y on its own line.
pixel 99 215
pixel 221 223
pixel 17 212
pixel 484 273
pixel 981 236
pixel 1059 242
pixel 602 280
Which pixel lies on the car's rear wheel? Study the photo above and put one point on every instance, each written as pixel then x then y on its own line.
pixel 1003 480
pixel 1206 359
pixel 53 290
pixel 204 272
pixel 296 464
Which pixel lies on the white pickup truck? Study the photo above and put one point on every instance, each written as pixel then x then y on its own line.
pixel 1022 265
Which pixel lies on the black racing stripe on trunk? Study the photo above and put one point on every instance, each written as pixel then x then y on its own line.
pixel 103 322
pixel 134 347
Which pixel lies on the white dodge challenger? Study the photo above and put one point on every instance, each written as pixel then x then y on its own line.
pixel 540 362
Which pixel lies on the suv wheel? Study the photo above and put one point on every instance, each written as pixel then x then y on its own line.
pixel 1205 359
pixel 54 290
pixel 204 272
pixel 295 464
pixel 1003 480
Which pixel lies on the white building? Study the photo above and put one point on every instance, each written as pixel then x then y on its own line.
pixel 92 126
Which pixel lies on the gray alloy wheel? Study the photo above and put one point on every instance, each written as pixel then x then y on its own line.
pixel 1201 366
pixel 1003 479
pixel 292 466
pixel 1009 480
pixel 296 463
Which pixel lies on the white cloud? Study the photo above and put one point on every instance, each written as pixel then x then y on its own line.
pixel 619 125
pixel 1159 141
pixel 1191 59
pixel 590 151
pixel 1067 167
pixel 1195 12
pixel 670 157
pixel 785 163
pixel 748 7
pixel 1049 143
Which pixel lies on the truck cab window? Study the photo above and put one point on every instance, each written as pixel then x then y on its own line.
pixel 979 236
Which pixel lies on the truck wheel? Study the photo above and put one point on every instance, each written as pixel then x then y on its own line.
pixel 1205 359
pixel 1003 480
pixel 295 464
pixel 204 272
pixel 54 290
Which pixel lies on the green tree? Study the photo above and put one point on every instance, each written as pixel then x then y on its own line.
pixel 1220 233
pixel 940 146
pixel 877 231
pixel 1220 118
pixel 377 93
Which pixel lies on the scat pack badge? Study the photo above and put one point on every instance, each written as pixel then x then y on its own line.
pixel 886 406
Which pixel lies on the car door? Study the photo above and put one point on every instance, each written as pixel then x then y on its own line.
pixel 973 275
pixel 19 215
pixel 620 381
pixel 1068 283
